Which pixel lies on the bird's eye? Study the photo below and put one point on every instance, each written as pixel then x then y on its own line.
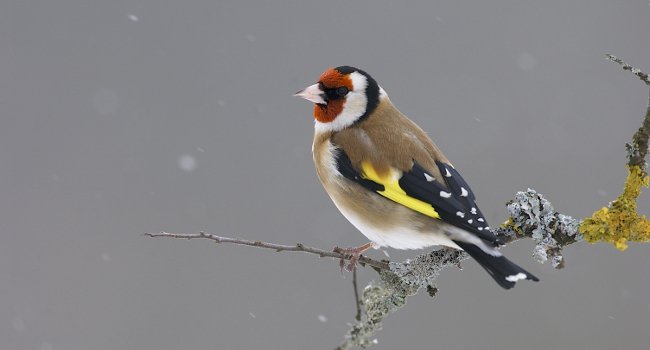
pixel 342 91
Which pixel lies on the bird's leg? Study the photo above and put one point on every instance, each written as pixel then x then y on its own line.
pixel 353 254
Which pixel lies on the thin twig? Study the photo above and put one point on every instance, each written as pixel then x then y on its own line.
pixel 640 141
pixel 639 148
pixel 299 247
pixel 625 66
pixel 357 301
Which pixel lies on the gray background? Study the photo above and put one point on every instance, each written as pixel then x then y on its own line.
pixel 124 117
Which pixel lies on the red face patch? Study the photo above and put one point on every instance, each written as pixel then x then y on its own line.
pixel 332 79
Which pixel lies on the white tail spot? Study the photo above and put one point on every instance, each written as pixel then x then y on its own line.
pixel 517 277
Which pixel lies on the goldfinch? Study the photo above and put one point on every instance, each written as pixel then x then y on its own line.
pixel 390 180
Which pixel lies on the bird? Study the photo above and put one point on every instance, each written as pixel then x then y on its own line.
pixel 390 180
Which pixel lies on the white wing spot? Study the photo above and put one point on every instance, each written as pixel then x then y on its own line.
pixel 460 214
pixel 480 220
pixel 480 228
pixel 445 194
pixel 463 193
pixel 428 177
pixel 474 210
pixel 470 221
pixel 517 277
pixel 487 227
pixel 447 173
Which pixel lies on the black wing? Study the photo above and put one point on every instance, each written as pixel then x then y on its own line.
pixel 452 202
pixel 457 204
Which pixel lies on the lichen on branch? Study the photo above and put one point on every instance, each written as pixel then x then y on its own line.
pixel 533 215
pixel 619 223
pixel 404 279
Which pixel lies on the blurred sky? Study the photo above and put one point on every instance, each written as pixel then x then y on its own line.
pixel 123 117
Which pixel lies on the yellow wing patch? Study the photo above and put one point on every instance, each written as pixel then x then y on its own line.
pixel 394 192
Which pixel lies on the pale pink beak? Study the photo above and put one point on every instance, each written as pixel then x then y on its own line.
pixel 312 93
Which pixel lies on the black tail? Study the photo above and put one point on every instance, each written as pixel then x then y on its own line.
pixel 504 271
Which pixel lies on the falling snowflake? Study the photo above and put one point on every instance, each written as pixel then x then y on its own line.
pixel 187 163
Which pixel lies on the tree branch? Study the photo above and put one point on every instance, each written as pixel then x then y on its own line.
pixel 619 222
pixel 638 149
pixel 357 301
pixel 625 66
pixel 299 247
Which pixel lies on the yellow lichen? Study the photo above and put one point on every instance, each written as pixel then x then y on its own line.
pixel 619 222
pixel 509 224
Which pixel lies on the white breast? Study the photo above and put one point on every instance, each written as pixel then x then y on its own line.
pixel 403 237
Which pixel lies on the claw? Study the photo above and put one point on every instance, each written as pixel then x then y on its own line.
pixel 353 255
pixel 353 263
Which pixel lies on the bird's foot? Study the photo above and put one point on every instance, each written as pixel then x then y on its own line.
pixel 352 254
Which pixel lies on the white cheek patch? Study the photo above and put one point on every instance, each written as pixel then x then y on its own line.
pixel 355 106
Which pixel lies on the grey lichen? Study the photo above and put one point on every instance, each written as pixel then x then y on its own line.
pixel 533 215
pixel 379 300
pixel 423 269
pixel 530 215
pixel 395 286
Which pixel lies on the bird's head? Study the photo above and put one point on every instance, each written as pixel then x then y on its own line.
pixel 342 96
